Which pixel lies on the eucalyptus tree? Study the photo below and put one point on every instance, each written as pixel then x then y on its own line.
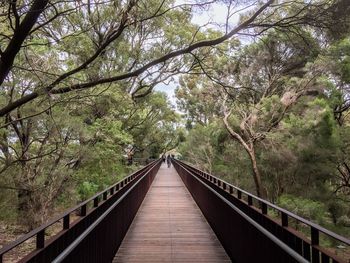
pixel 99 42
pixel 334 62
pixel 67 68
pixel 254 88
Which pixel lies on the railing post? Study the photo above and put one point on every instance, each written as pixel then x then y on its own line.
pixel 314 236
pixel 263 208
pixel 315 241
pixel 83 210
pixel 105 195
pixel 284 219
pixel 250 200
pixel 96 200
pixel 231 189
pixel 239 194
pixel 111 191
pixel 40 239
pixel 66 220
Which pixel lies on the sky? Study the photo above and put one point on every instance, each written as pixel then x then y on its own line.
pixel 216 14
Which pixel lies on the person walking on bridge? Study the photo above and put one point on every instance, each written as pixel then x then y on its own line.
pixel 168 161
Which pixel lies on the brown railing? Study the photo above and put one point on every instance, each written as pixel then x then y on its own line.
pixel 242 223
pixel 124 197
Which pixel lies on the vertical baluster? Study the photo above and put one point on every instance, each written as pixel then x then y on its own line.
pixel 96 200
pixel 263 208
pixel 315 241
pixel 40 239
pixel 306 251
pixel 325 258
pixel 284 219
pixel 83 210
pixel 66 222
pixel 250 200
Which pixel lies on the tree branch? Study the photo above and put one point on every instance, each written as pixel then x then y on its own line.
pixel 29 97
pixel 20 34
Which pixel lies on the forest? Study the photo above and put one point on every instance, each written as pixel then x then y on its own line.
pixel 262 100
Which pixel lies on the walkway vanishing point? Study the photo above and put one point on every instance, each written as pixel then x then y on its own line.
pixel 160 214
pixel 169 227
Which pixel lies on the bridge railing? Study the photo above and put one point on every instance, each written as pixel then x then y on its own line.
pixel 109 236
pixel 244 241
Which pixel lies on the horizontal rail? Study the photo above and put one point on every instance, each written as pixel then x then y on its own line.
pixel 278 242
pixel 309 249
pixel 97 201
pixel 93 226
pixel 279 209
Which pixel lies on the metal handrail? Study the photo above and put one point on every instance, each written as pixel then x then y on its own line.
pixel 274 239
pixel 281 210
pixel 39 230
pixel 80 238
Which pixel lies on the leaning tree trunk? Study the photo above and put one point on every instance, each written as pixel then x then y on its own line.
pixel 260 190
pixel 249 148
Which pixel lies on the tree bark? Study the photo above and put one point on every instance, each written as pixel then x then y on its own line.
pixel 260 189
pixel 51 88
pixel 20 34
pixel 249 148
pixel 29 210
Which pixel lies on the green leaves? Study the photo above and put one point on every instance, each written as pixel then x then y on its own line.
pixel 306 208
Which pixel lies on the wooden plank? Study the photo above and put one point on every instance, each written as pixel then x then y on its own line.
pixel 169 227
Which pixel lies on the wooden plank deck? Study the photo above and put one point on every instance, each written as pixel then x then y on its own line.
pixel 169 227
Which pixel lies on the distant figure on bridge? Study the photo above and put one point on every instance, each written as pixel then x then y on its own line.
pixel 163 157
pixel 168 160
pixel 130 155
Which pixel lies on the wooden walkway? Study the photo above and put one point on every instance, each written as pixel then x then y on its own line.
pixel 169 227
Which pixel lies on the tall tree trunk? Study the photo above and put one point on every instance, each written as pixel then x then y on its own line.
pixel 260 190
pixel 21 32
pixel 28 212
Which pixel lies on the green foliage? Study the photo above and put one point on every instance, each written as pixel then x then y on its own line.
pixel 307 208
pixel 287 91
pixel 289 98
pixel 87 189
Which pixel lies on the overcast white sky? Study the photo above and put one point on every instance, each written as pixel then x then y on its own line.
pixel 216 14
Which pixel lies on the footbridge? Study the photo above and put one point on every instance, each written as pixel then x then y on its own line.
pixel 179 214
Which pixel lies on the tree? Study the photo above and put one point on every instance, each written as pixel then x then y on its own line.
pixel 258 88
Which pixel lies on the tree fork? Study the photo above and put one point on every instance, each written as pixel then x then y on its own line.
pixel 50 89
pixel 20 34
pixel 260 190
